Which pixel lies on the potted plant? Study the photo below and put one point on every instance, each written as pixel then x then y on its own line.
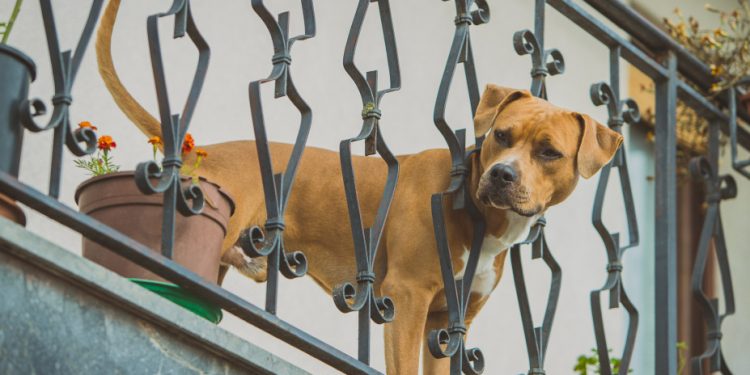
pixel 726 49
pixel 17 71
pixel 112 197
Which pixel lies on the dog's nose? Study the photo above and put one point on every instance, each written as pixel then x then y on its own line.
pixel 503 173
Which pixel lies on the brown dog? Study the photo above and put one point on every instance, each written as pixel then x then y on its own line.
pixel 531 160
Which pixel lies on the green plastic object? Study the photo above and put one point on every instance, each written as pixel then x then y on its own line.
pixel 181 297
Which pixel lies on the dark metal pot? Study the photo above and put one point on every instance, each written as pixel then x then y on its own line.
pixel 17 71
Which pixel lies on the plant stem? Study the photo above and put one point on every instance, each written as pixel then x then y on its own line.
pixel 11 21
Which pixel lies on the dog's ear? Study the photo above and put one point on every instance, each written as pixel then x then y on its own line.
pixel 493 100
pixel 598 145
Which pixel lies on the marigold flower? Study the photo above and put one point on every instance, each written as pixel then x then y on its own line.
pixel 188 144
pixel 106 143
pixel 155 140
pixel 86 124
pixel 201 153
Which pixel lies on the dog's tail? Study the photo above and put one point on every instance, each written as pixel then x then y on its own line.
pixel 147 123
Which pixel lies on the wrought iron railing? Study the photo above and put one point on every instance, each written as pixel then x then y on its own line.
pixel 269 242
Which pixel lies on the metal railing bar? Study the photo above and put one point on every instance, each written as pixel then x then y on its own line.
pixel 665 223
pixel 608 37
pixel 643 30
pixel 695 100
pixel 164 267
pixel 620 111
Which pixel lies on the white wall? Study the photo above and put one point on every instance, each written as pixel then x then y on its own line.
pixel 241 51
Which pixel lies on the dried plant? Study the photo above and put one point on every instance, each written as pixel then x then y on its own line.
pixel 726 49
pixel 692 135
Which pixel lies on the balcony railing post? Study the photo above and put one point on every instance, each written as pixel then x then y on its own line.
pixel 277 187
pixel 347 296
pixel 619 113
pixel 665 288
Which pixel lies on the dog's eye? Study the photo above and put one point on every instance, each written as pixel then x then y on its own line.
pixel 550 154
pixel 502 137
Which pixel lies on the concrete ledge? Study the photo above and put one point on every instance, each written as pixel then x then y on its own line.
pixel 61 314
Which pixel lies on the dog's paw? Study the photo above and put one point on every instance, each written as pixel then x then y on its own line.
pixel 254 268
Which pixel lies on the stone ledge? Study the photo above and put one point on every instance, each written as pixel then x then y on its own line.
pixel 62 314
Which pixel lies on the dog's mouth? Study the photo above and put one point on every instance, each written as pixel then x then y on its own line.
pixel 506 199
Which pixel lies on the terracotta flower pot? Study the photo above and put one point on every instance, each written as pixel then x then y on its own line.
pixel 115 200
pixel 10 210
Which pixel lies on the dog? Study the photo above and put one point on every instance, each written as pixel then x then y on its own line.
pixel 531 159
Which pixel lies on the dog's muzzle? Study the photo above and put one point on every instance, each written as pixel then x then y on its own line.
pixel 499 187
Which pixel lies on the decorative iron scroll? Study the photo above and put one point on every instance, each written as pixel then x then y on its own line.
pixel 277 187
pixel 527 43
pixel 741 166
pixel 173 126
pixel 64 70
pixel 620 111
pixel 449 342
pixel 346 296
pixel 718 188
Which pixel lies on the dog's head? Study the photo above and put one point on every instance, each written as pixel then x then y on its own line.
pixel 534 152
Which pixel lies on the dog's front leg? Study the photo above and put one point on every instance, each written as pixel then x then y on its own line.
pixel 403 336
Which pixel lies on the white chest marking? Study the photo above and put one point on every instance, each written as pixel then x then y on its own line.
pixel 484 277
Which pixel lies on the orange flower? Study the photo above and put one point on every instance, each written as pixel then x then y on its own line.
pixel 155 140
pixel 188 144
pixel 86 124
pixel 201 153
pixel 106 143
